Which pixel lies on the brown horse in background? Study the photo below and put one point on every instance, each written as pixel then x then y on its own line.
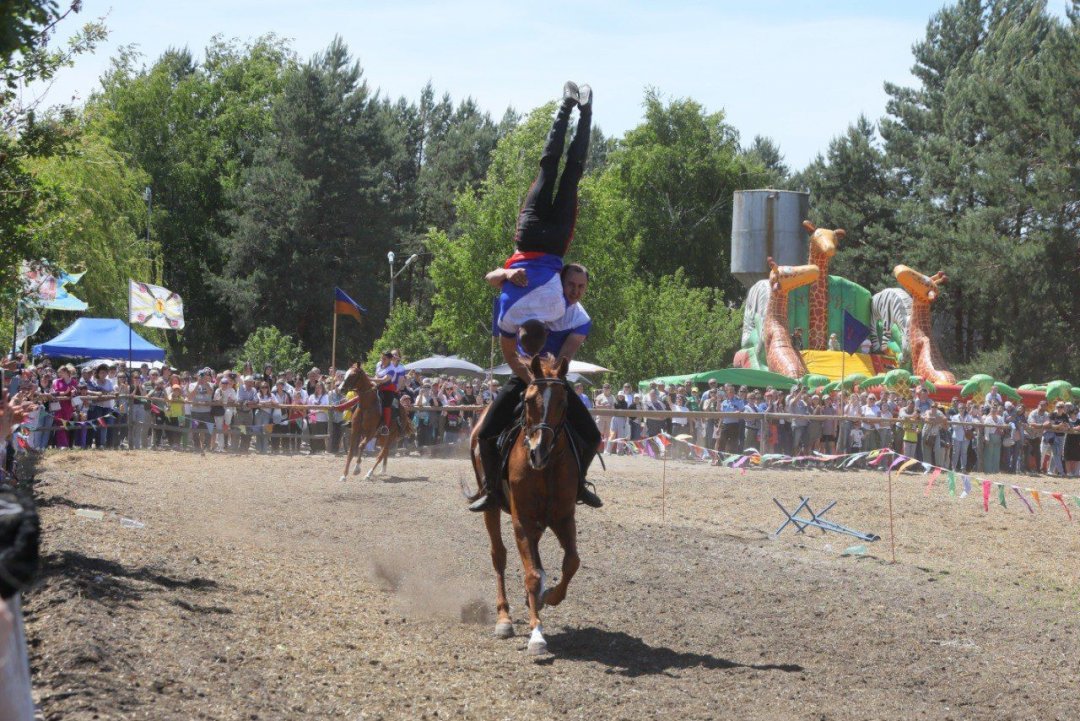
pixel 541 488
pixel 366 419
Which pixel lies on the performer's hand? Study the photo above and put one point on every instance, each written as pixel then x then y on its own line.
pixel 518 277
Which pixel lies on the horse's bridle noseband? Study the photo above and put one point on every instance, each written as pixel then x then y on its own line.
pixel 554 430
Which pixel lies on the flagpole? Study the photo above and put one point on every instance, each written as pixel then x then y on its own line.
pixel 129 326
pixel 843 364
pixel 131 398
pixel 333 343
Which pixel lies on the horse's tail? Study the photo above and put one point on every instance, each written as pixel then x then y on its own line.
pixel 464 485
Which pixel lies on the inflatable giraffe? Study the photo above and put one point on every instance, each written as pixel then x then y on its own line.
pixel 779 352
pixel 822 248
pixel 926 360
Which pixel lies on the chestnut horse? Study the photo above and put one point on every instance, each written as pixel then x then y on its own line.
pixel 366 418
pixel 541 488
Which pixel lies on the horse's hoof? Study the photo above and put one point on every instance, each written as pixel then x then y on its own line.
pixel 344 478
pixel 504 630
pixel 538 650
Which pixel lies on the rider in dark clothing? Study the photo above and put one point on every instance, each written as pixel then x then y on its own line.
pixel 533 340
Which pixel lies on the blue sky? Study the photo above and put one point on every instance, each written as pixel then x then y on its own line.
pixel 797 72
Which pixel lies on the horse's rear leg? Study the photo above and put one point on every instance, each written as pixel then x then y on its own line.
pixel 353 440
pixel 566 531
pixel 384 450
pixel 504 625
pixel 528 547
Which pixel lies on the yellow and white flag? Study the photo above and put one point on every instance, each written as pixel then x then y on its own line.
pixel 154 306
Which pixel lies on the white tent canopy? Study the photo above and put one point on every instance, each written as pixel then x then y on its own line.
pixel 576 368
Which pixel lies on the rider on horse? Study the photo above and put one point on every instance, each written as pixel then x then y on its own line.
pixel 535 286
pixel 388 375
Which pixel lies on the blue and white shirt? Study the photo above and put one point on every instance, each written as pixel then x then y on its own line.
pixel 573 320
pixel 542 299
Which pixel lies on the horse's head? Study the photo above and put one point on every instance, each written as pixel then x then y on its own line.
pixel 355 380
pixel 921 287
pixel 545 408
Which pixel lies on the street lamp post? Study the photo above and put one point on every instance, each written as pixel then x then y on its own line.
pixel 148 196
pixel 390 257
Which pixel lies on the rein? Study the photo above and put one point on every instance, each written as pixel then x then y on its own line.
pixel 554 430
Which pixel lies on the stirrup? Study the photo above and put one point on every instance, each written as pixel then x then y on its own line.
pixel 384 430
pixel 483 503
pixel 588 497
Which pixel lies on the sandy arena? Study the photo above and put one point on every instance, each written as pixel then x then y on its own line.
pixel 264 588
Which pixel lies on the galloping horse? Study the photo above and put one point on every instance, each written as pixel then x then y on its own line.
pixel 541 485
pixel 366 419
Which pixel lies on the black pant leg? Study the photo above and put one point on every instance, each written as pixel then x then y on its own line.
pixel 565 205
pixel 501 412
pixel 534 224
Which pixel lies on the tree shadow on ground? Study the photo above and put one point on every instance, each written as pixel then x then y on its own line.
pixel 626 655
pixel 57 500
pixel 405 479
pixel 108 581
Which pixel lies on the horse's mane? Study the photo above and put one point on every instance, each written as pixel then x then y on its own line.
pixel 363 380
pixel 549 364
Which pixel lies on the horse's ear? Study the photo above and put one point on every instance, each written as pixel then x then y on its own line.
pixel 537 367
pixel 840 233
pixel 810 228
pixel 564 364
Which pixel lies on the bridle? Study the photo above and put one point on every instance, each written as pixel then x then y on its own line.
pixel 543 425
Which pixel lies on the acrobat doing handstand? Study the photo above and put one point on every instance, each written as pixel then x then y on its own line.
pixel 535 285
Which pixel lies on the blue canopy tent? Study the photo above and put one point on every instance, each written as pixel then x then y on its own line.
pixel 99 338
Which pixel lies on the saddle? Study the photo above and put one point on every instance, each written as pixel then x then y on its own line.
pixel 509 436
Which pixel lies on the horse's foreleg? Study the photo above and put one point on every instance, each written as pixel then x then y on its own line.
pixel 349 455
pixel 361 444
pixel 528 547
pixel 566 531
pixel 504 625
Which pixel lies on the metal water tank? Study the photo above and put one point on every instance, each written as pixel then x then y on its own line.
pixel 767 223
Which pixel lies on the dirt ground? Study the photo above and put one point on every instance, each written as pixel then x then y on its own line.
pixel 264 588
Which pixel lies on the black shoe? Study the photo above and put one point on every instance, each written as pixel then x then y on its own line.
pixel 584 99
pixel 584 495
pixel 384 430
pixel 570 93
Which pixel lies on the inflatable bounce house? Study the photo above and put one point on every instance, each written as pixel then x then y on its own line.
pixel 794 315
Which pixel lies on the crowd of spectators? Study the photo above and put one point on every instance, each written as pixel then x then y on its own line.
pixel 106 405
pixel 996 436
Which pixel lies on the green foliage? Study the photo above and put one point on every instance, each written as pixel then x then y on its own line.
pixel 677 172
pixel 94 218
pixel 668 327
pixel 993 363
pixel 269 345
pixel 850 188
pixel 312 207
pixel 405 330
pixel 193 127
pixel 27 28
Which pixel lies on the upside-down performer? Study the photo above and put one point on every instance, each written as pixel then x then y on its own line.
pixel 535 286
